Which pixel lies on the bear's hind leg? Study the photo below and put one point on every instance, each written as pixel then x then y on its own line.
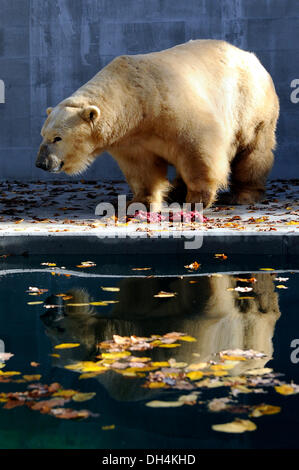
pixel 204 176
pixel 250 169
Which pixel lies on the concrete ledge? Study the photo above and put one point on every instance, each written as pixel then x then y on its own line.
pixel 85 243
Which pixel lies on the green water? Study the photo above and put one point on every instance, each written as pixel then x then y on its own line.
pixel 206 308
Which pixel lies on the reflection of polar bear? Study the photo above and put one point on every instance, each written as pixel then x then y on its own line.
pixel 205 107
pixel 218 318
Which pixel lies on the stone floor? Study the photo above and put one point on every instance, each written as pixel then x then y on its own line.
pixel 57 207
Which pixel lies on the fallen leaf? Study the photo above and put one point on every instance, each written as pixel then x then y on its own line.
pixel 164 404
pixel 236 426
pixel 163 294
pixel 31 378
pixel 111 289
pixel 83 396
pixel 285 389
pixel 67 345
pixel 110 427
pixel 264 409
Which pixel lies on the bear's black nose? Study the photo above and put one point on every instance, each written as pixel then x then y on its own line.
pixel 43 164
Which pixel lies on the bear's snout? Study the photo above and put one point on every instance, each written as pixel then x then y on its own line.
pixel 48 162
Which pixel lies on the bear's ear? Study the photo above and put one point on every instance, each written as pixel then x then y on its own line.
pixel 90 113
pixel 49 111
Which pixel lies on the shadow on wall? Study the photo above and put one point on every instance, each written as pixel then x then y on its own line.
pixel 218 318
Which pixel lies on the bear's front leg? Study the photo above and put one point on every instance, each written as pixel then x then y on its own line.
pixel 146 175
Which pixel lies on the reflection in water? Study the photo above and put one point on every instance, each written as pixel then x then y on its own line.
pixel 208 308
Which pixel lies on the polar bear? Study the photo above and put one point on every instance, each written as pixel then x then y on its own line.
pixel 205 107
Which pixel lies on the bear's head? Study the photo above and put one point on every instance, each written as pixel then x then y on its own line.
pixel 68 138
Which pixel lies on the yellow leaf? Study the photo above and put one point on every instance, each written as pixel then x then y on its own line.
pixel 285 389
pixel 109 427
pixel 9 373
pixel 116 355
pixel 261 410
pixel 156 385
pixel 30 378
pixel 220 373
pixel 103 303
pixel 86 366
pixel 267 269
pixel 38 302
pixel 236 426
pixel 233 358
pixel 195 375
pixel 140 269
pixel 110 289
pixel 83 396
pixel 67 345
pixel 172 345
pixel 189 339
pixel 64 393
pixel 281 286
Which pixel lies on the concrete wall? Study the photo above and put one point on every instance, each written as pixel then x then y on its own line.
pixel 48 48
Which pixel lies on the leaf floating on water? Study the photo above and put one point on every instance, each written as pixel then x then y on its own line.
pixel 264 409
pixel 5 356
pixel 242 353
pixel 141 269
pixel 262 371
pixel 116 355
pixel 155 385
pixel 35 303
pixel 250 280
pixel 171 345
pixel 86 366
pixel 34 364
pixel 195 266
pixel 86 264
pixel 65 393
pixel 286 389
pixel 83 396
pixel 281 286
pixel 32 378
pixel 109 427
pixel 220 256
pixel 67 345
pixel 110 289
pixel 163 294
pixel 195 375
pixel 9 373
pixel 164 404
pixel 267 269
pixel 99 304
pixel 189 339
pixel 236 426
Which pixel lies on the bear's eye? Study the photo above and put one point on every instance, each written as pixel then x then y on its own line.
pixel 57 139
